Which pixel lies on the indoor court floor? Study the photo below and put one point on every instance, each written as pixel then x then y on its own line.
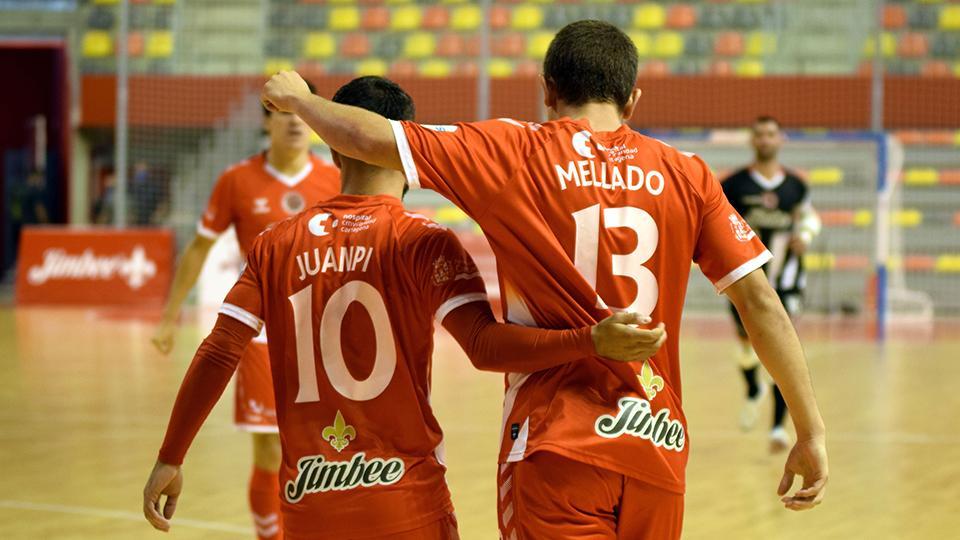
pixel 84 401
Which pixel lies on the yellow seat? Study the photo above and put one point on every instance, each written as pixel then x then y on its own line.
pixel 419 45
pixel 526 17
pixel 435 68
pixel 399 1
pixel 649 16
pixel 826 175
pixel 819 261
pixel 538 44
pixel 863 218
pixel 948 263
pixel 921 176
pixel 466 18
pixel 500 68
pixel 344 18
pixel 97 44
pixel 641 40
pixel 342 1
pixel 273 65
pixel 668 45
pixel 159 44
pixel 950 18
pixel 454 1
pixel 406 18
pixel 319 45
pixel 750 68
pixel 105 2
pixel 371 66
pixel 167 2
pixel 888 45
pixel 760 44
pixel 908 218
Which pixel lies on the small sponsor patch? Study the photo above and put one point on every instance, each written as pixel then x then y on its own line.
pixel 440 128
pixel 514 431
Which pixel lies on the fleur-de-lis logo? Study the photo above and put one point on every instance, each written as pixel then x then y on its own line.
pixel 339 434
pixel 651 382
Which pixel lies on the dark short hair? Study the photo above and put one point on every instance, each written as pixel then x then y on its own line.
pixel 767 119
pixel 592 61
pixel 379 95
pixel 313 90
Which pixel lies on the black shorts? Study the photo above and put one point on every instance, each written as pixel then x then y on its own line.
pixel 792 301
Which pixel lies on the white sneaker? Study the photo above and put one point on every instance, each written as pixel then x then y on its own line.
pixel 779 440
pixel 751 408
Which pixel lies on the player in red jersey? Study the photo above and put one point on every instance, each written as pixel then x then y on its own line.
pixel 362 451
pixel 252 195
pixel 585 215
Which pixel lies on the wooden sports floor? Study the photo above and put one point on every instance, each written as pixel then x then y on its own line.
pixel 84 401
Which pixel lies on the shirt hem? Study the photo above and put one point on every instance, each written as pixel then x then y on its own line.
pixel 741 271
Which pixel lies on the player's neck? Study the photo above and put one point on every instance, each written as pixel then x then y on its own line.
pixel 363 179
pixel 601 116
pixel 768 168
pixel 288 161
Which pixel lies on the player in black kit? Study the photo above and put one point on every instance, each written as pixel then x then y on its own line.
pixel 775 202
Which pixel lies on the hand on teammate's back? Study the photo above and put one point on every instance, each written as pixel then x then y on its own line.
pixel 278 93
pixel 809 460
pixel 617 338
pixel 163 338
pixel 164 480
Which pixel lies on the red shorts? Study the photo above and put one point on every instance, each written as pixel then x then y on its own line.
pixel 442 529
pixel 549 496
pixel 255 409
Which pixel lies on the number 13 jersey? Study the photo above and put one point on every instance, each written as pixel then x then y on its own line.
pixel 583 223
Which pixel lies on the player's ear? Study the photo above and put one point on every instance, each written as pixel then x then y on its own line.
pixel 549 93
pixel 631 103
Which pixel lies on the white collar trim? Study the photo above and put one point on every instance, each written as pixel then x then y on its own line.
pixel 767 183
pixel 289 180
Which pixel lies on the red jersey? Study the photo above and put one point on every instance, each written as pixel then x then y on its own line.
pixel 582 223
pixel 350 357
pixel 252 195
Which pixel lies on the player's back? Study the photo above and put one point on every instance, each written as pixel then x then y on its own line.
pixel 352 287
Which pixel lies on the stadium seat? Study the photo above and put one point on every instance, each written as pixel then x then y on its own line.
pixel 538 43
pixel 649 15
pixel 526 17
pixel 894 17
pixel 947 263
pixel 406 18
pixel 681 17
pixel 105 2
pixel 135 44
pixel 499 68
pixel 908 217
pixel 508 44
pixel 728 44
pixel 945 46
pixel 435 68
pixel 466 69
pixel 355 46
pixel 913 45
pixel 698 44
pixel 720 68
pixel 950 18
pixel 450 45
pixel 159 44
pixel 273 65
pixel 419 45
pixel 402 68
pixel 746 17
pixel 282 17
pixel 825 175
pixel 466 18
pixel 389 46
pixel 97 44
pixel 436 18
pixel 750 68
pixel 375 18
pixel 668 45
pixel 924 17
pixel 101 19
pixel 455 1
pixel 935 68
pixel 371 66
pixel 499 17
pixel 642 41
pixel 713 17
pixel 527 68
pixel 655 68
pixel 888 45
pixel 344 18
pixel 319 45
pixel 472 44
pixel 165 2
pixel 556 17
pixel 760 44
pixel 921 176
pixel 397 2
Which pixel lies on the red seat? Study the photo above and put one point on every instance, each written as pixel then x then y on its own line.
pixel 135 44
pixel 375 18
pixel 936 68
pixel 499 17
pixel 355 46
pixel 466 69
pixel 894 17
pixel 508 45
pixel 528 68
pixel 913 45
pixel 681 16
pixel 472 45
pixel 655 68
pixel 435 18
pixel 451 45
pixel 720 68
pixel 729 44
pixel 403 68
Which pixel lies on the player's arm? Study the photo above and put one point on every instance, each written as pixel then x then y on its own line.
pixel 775 340
pixel 494 346
pixel 185 277
pixel 351 131
pixel 208 375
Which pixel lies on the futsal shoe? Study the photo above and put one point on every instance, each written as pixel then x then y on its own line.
pixel 751 407
pixel 779 440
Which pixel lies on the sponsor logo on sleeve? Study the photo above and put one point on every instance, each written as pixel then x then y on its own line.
pixel 440 128
pixel 741 230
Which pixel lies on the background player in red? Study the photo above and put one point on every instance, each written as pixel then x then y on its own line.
pixel 584 213
pixel 775 202
pixel 251 195
pixel 362 451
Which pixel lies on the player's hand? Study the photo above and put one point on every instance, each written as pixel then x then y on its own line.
pixel 798 245
pixel 617 338
pixel 809 460
pixel 282 91
pixel 163 337
pixel 164 480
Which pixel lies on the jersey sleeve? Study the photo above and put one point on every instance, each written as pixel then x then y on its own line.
pixel 219 212
pixel 445 273
pixel 244 302
pixel 727 249
pixel 466 163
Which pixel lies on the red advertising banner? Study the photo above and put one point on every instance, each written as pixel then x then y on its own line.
pixel 94 266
